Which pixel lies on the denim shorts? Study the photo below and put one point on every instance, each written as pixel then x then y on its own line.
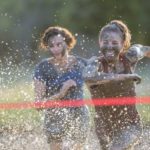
pixel 72 123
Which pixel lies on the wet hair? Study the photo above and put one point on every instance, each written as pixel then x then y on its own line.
pixel 118 27
pixel 55 31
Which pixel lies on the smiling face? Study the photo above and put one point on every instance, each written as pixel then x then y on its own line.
pixel 111 44
pixel 57 45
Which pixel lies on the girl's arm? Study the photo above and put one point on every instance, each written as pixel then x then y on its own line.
pixel 93 75
pixel 102 78
pixel 40 90
pixel 146 51
pixel 137 52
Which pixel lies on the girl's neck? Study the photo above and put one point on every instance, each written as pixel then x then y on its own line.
pixel 61 59
pixel 113 66
pixel 112 63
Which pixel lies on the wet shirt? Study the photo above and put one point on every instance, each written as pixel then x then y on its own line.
pixel 126 65
pixel 125 114
pixel 60 122
pixel 46 72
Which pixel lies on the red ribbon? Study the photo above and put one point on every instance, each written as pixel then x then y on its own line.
pixel 76 103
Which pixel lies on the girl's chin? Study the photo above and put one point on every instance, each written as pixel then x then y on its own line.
pixel 56 54
pixel 110 60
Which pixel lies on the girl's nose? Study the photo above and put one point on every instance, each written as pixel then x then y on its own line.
pixel 109 46
pixel 55 47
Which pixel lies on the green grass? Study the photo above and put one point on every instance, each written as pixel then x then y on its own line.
pixel 23 91
pixel 143 90
pixel 144 111
pixel 20 92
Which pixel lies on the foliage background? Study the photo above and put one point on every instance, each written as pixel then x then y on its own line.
pixel 23 21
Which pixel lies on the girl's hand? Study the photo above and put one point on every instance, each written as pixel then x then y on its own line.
pixel 67 85
pixel 136 78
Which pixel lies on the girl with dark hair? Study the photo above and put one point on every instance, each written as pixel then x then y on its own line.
pixel 60 78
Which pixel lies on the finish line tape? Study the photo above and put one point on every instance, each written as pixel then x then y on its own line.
pixel 76 103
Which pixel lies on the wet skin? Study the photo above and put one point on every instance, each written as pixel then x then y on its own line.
pixel 115 123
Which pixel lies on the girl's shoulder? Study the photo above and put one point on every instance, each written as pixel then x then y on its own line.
pixel 79 62
pixel 44 61
pixel 44 64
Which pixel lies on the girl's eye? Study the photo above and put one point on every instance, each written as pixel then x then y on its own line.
pixel 105 42
pixel 50 46
pixel 59 44
pixel 115 43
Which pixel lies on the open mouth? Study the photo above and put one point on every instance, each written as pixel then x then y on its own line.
pixel 110 54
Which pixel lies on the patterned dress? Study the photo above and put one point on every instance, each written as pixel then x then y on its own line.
pixel 68 122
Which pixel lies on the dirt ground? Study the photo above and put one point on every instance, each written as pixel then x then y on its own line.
pixel 31 139
pixel 35 140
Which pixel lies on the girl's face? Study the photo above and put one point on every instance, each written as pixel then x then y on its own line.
pixel 57 45
pixel 111 44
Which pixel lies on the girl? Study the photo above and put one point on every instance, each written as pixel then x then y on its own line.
pixel 60 78
pixel 117 127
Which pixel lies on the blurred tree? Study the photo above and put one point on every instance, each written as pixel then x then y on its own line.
pixel 23 21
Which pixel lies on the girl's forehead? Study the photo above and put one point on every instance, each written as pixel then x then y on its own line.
pixel 110 36
pixel 56 38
